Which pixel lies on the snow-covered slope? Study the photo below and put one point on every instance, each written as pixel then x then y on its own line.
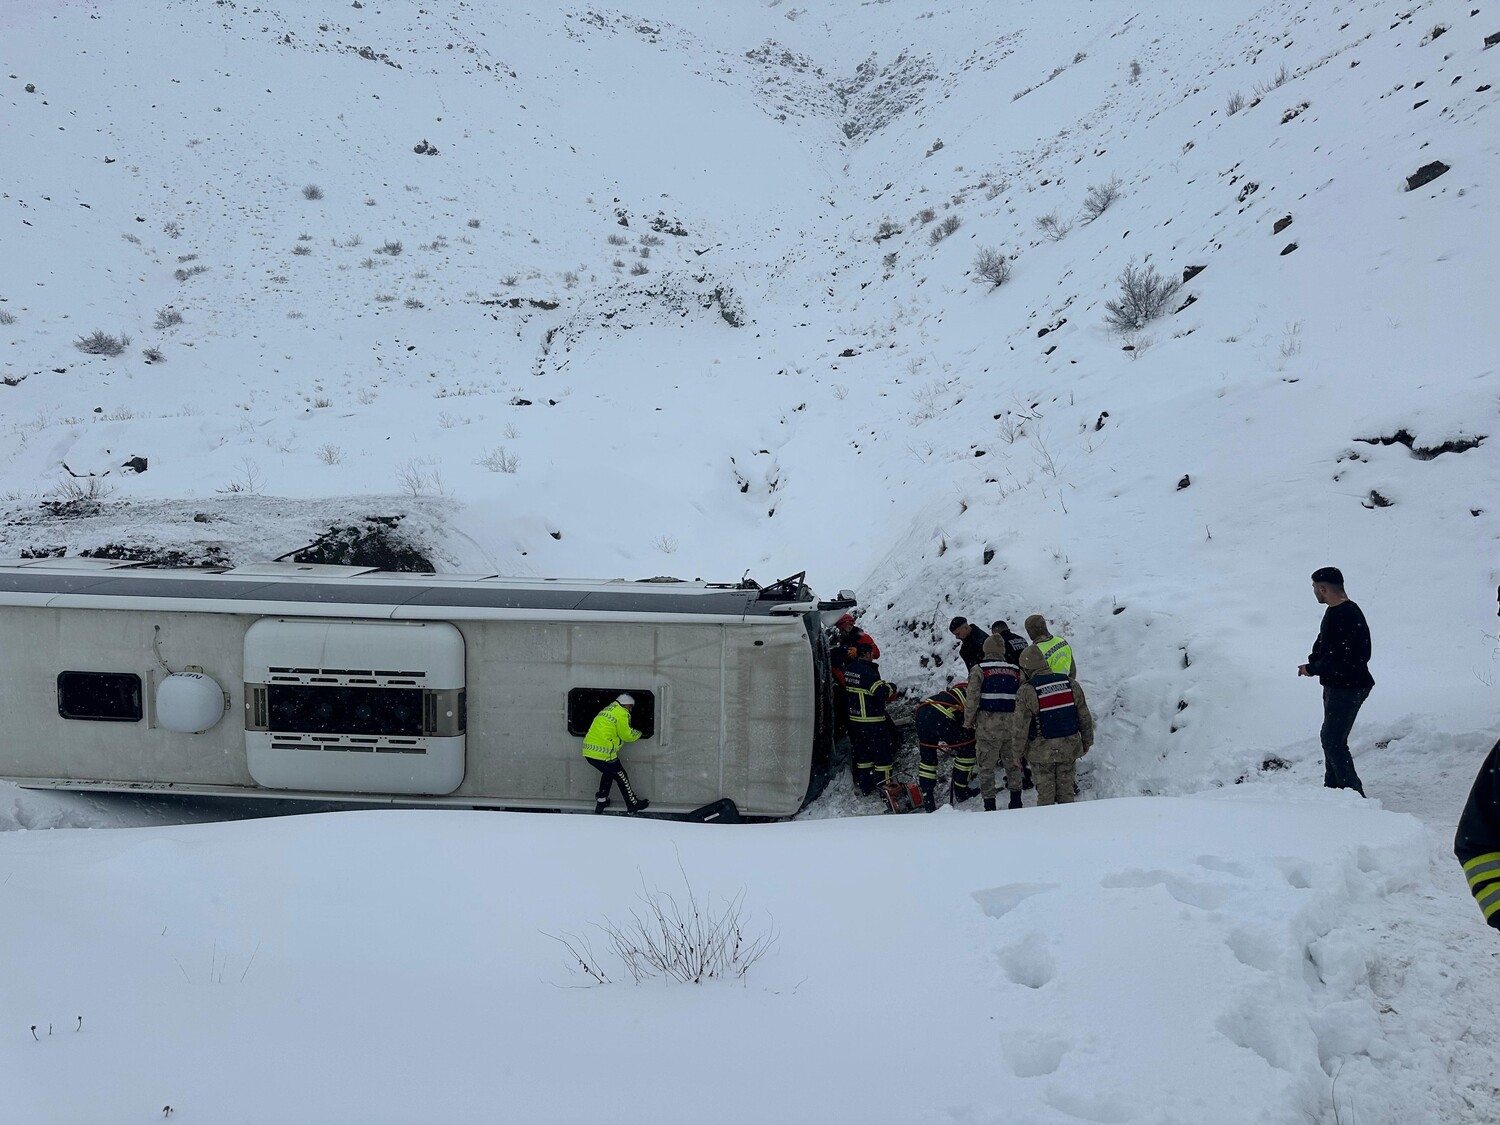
pixel 660 294
pixel 574 387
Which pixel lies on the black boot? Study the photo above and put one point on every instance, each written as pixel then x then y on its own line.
pixel 1015 799
pixel 640 806
pixel 989 804
pixel 600 804
pixel 1026 782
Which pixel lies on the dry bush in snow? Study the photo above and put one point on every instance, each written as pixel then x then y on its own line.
pixel 1099 199
pixel 1054 228
pixel 312 191
pixel 993 266
pixel 1144 296
pixel 98 342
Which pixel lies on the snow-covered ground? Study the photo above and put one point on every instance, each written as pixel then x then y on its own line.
pixel 545 378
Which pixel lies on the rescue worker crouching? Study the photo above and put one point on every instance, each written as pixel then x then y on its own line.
pixel 940 721
pixel 990 711
pixel 1052 713
pixel 866 696
pixel 609 731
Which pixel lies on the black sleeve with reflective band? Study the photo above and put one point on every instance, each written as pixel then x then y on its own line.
pixel 1477 842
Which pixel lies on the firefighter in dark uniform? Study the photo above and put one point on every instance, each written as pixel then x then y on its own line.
pixel 842 645
pixel 1477 842
pixel 866 696
pixel 940 722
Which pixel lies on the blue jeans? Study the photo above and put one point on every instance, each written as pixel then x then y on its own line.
pixel 1340 706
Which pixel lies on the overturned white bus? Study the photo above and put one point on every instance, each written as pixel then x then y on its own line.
pixel 345 683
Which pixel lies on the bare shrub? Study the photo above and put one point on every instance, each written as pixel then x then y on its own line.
pixel 417 476
pixel 887 229
pixel 384 298
pixel 617 240
pixel 413 303
pixel 649 239
pixel 638 269
pixel 993 266
pixel 367 263
pixel 1099 199
pixel 511 280
pixel 98 342
pixel 172 228
pixel 889 261
pixel 366 396
pixel 644 251
pixel 1054 228
pixel 166 318
pixel 1235 103
pixel 666 544
pixel 570 278
pixel 500 460
pixel 618 263
pixel 392 247
pixel 1080 56
pixel 1144 296
pixel 312 191
pixel 473 224
pixel 186 272
pixel 7 317
pixel 943 229
pixel 301 251
pixel 153 355
pixel 682 939
pixel 926 215
pixel 1135 70
pixel 330 454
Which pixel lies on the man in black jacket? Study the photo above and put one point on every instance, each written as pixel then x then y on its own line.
pixel 1477 842
pixel 1340 659
pixel 970 639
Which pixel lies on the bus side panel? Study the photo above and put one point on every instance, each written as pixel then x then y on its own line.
pixel 39 643
pixel 520 674
pixel 771 715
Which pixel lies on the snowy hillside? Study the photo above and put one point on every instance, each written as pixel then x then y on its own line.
pixel 667 299
pixel 698 288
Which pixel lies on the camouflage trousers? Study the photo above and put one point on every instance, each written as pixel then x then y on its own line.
pixel 1053 768
pixel 998 749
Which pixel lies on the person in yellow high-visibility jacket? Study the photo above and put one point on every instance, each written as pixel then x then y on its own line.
pixel 609 731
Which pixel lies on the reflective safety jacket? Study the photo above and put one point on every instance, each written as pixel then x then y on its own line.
pixel 1059 655
pixel 865 692
pixel 949 702
pixel 1477 843
pixel 609 731
pixel 999 680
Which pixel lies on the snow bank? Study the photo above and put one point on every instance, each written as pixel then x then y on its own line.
pixel 1127 961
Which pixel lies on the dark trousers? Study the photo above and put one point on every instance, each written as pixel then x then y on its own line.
pixel 1340 706
pixel 935 728
pixel 613 773
pixel 874 753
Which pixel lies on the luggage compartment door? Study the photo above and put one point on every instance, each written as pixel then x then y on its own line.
pixel 355 706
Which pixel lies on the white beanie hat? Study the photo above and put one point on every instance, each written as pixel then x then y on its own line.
pixel 625 698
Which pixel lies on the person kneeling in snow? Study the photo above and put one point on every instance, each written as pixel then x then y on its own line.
pixel 609 731
pixel 1052 713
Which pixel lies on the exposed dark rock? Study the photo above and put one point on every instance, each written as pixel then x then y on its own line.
pixel 1377 500
pixel 373 542
pixel 1281 224
pixel 1099 422
pixel 989 555
pixel 135 465
pixel 1248 190
pixel 1426 452
pixel 1288 248
pixel 202 554
pixel 1425 174
pixel 1190 272
pixel 1489 41
pixel 1185 482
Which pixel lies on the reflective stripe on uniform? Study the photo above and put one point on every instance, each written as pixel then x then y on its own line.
pixel 1489 901
pixel 1059 656
pixel 1482 868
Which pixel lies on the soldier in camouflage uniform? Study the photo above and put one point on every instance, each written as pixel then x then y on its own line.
pixel 989 711
pixel 1052 713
